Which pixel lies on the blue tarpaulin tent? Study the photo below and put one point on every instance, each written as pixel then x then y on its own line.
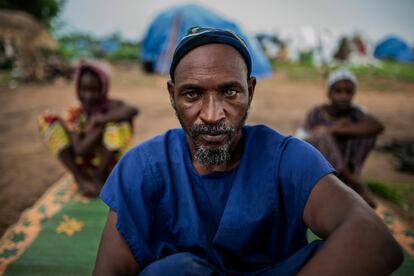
pixel 170 26
pixel 395 49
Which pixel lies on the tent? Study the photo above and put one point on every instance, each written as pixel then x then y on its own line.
pixel 170 26
pixel 394 48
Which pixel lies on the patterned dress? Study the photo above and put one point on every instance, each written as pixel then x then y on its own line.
pixel 55 132
pixel 340 150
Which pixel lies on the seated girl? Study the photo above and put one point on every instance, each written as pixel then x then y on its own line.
pixel 90 138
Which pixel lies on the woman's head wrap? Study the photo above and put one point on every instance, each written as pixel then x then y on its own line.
pixel 103 79
pixel 198 36
pixel 338 75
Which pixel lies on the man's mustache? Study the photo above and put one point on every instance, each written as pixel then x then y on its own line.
pixel 211 129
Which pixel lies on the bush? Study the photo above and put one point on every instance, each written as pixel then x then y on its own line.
pixel 126 51
pixel 389 192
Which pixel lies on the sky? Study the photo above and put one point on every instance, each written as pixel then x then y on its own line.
pixel 373 18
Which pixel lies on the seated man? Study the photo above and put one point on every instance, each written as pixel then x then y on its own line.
pixel 344 133
pixel 218 197
pixel 90 138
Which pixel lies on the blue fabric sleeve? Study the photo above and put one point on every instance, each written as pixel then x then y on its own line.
pixel 301 167
pixel 128 192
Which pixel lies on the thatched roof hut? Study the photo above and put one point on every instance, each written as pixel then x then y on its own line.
pixel 25 30
pixel 27 36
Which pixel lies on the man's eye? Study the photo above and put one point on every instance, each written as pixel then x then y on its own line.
pixel 191 95
pixel 230 92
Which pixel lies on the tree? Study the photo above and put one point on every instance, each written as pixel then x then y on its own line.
pixel 42 10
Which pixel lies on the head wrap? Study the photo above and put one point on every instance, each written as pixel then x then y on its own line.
pixel 103 78
pixel 198 36
pixel 341 74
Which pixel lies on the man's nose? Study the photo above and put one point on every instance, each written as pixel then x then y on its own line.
pixel 212 110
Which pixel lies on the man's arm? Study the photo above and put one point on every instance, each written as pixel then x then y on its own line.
pixel 114 256
pixel 356 240
pixel 366 127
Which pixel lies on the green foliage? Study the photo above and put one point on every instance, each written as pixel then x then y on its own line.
pixel 84 45
pixel 126 51
pixel 306 58
pixel 394 193
pixel 77 45
pixel 386 70
pixel 380 76
pixel 389 69
pixel 298 71
pixel 43 10
pixel 5 77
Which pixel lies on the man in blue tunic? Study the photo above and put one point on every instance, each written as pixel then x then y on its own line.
pixel 218 197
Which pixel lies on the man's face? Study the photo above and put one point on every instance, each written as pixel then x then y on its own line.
pixel 341 95
pixel 89 90
pixel 211 95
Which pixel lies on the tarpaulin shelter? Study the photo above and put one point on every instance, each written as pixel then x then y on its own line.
pixel 394 48
pixel 171 25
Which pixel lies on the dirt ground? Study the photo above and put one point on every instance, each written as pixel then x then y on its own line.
pixel 28 169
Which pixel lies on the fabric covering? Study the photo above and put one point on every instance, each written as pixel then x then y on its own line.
pixel 244 220
pixel 394 48
pixel 167 29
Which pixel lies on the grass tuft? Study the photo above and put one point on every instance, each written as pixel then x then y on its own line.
pixel 389 192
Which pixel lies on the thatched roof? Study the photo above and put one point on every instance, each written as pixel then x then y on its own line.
pixel 25 30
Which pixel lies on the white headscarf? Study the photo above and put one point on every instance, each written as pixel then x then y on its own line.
pixel 341 74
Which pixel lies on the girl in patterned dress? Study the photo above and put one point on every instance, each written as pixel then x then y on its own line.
pixel 90 138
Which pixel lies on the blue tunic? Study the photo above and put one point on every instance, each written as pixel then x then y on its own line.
pixel 244 220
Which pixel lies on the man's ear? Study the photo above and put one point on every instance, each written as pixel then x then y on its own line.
pixel 251 83
pixel 170 86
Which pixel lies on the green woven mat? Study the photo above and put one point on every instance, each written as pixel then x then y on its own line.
pixel 70 252
pixel 54 253
pixel 60 235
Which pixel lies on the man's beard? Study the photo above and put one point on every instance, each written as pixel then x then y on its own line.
pixel 216 154
pixel 211 154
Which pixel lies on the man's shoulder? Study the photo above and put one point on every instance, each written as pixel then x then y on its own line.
pixel 157 146
pixel 288 144
pixel 265 137
pixel 261 131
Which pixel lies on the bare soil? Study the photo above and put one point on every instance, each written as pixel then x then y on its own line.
pixel 27 168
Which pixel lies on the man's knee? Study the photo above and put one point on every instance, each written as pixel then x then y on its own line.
pixel 180 264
